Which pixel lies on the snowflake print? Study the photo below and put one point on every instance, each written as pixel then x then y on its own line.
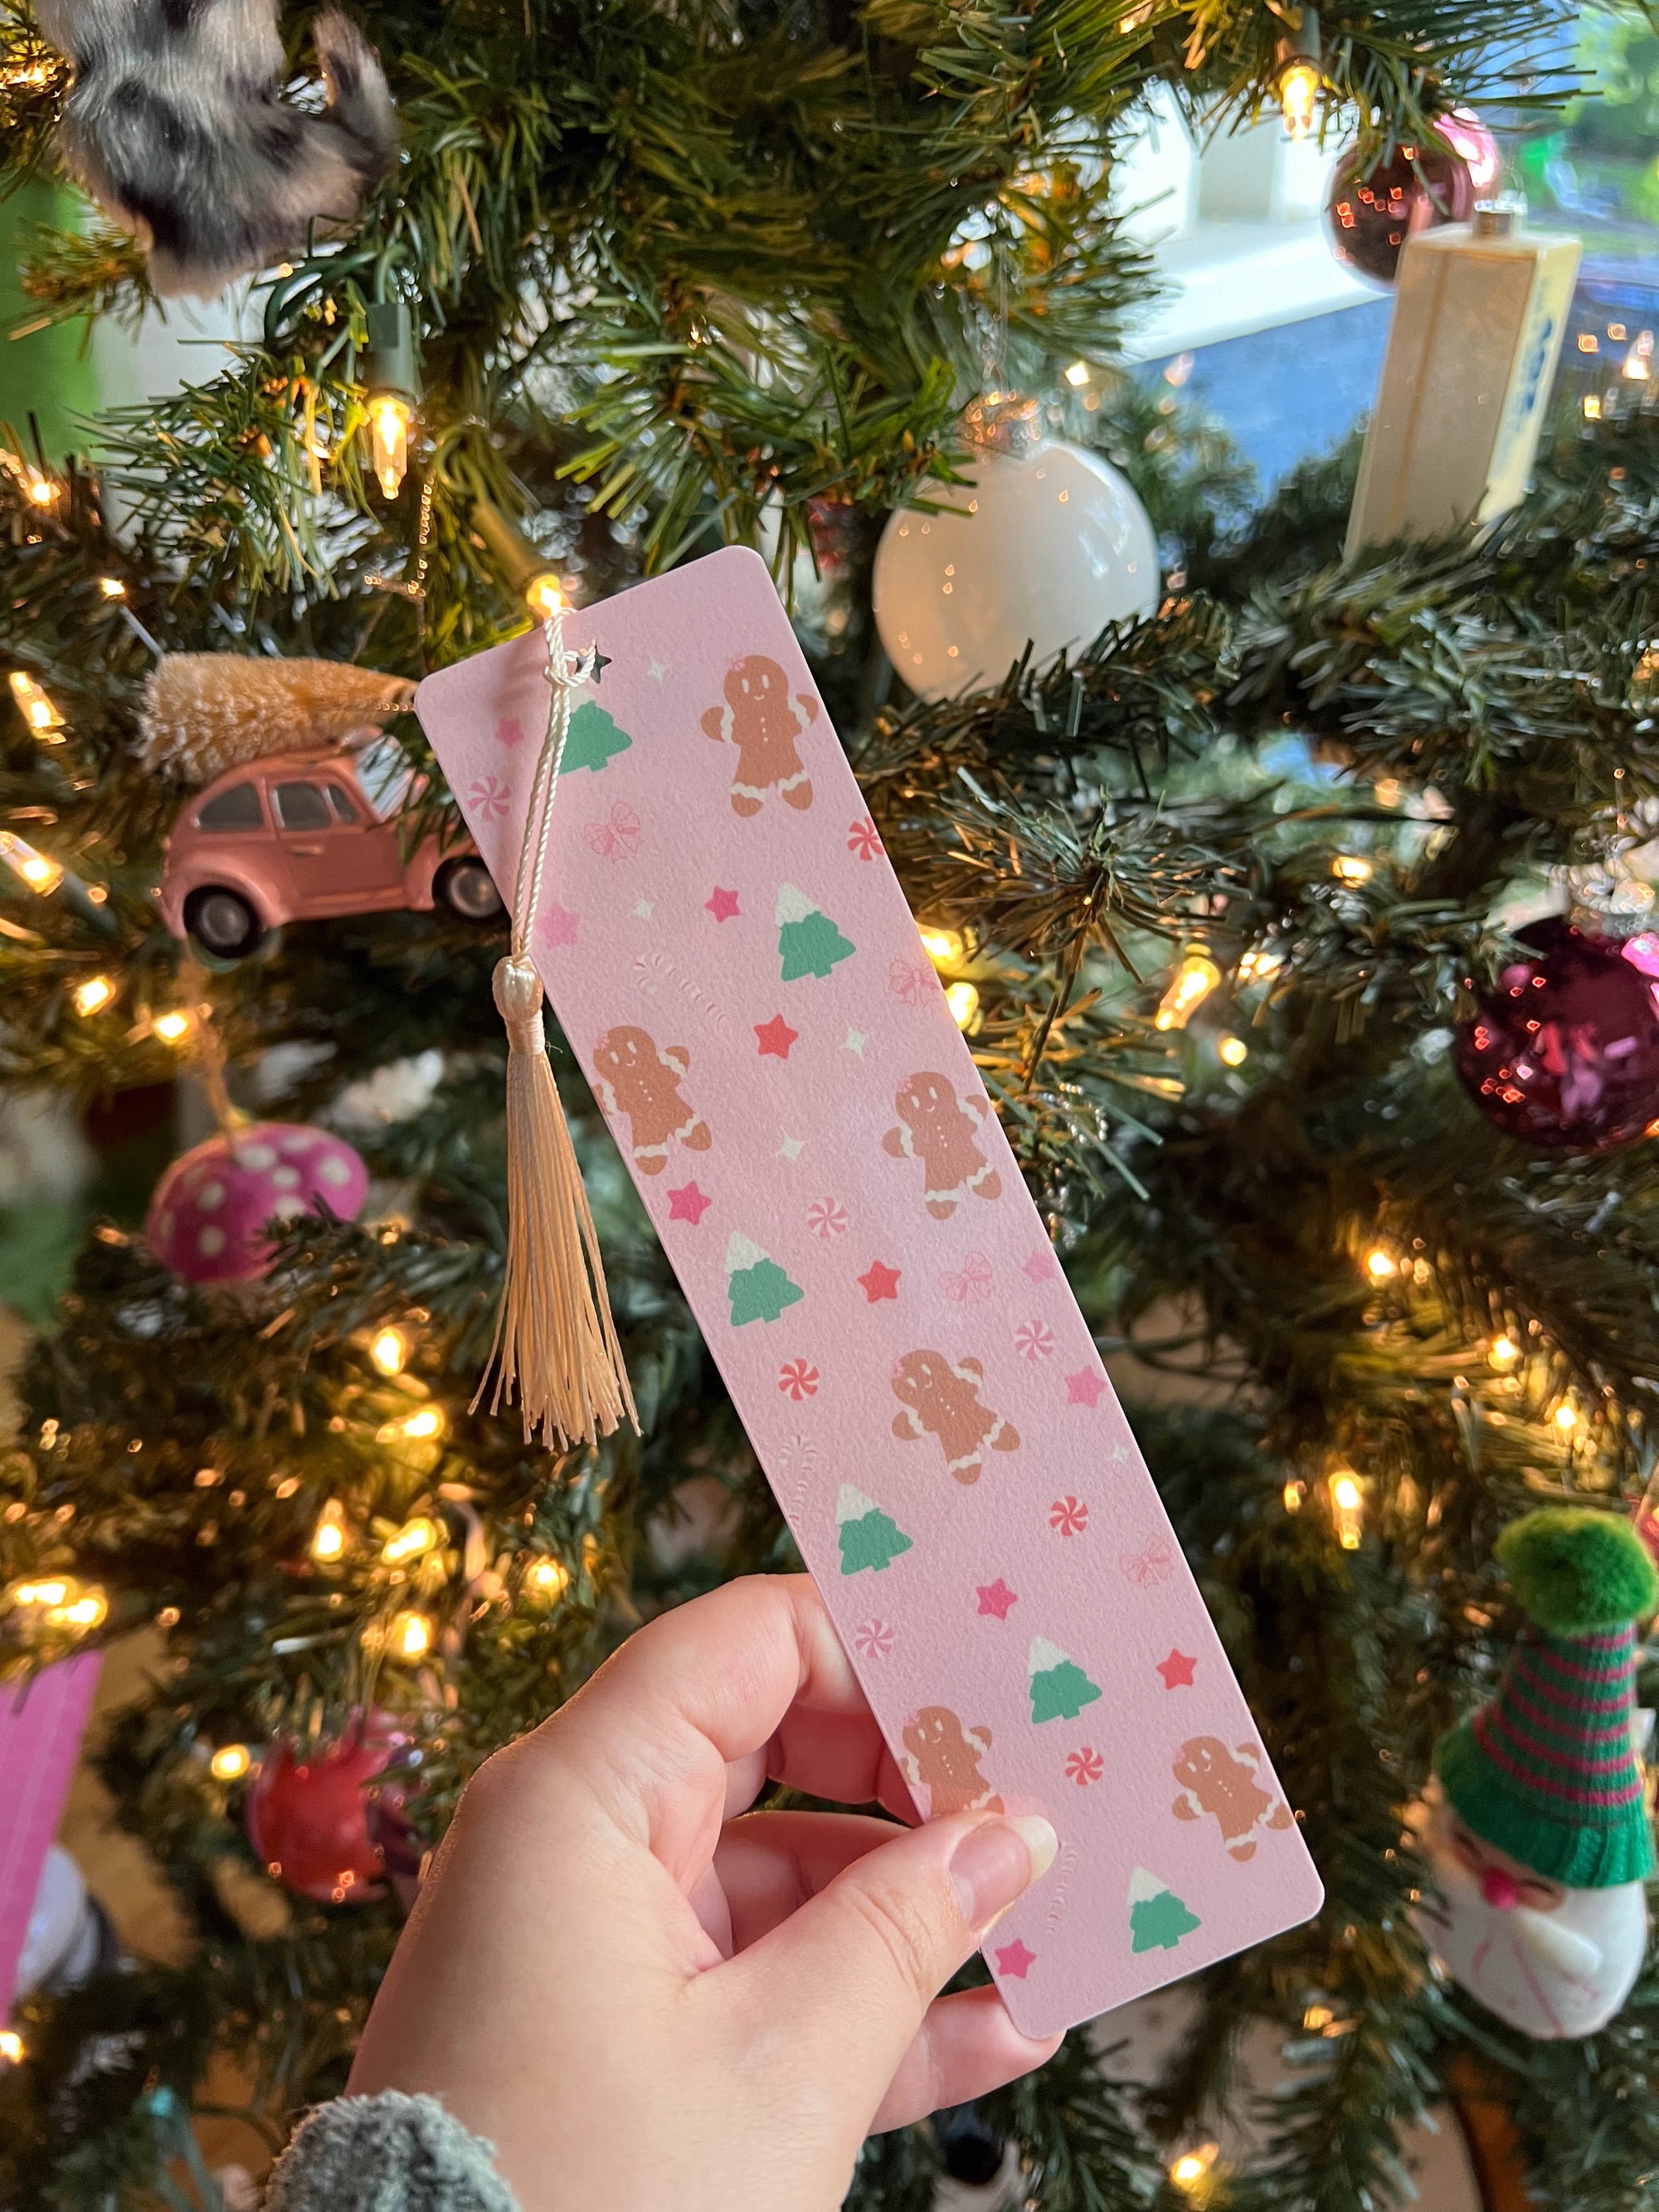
pixel 1085 1765
pixel 861 838
pixel 873 1639
pixel 826 1219
pixel 488 795
pixel 907 980
pixel 797 1379
pixel 1035 1339
pixel 970 1284
pixel 1154 1565
pixel 1069 1515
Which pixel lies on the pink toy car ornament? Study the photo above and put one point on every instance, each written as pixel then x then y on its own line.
pixel 298 836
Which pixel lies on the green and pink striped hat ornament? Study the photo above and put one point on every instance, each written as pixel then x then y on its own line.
pixel 1547 1769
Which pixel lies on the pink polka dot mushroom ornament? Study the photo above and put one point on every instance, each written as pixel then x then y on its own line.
pixel 207 1218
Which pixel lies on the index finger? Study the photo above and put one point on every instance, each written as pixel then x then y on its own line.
pixel 675 1728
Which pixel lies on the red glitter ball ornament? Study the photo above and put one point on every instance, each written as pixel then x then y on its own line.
pixel 310 1819
pixel 1374 207
pixel 1564 1051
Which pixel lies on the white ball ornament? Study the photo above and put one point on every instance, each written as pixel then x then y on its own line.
pixel 1046 546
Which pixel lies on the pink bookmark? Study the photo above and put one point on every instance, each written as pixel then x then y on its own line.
pixel 732 958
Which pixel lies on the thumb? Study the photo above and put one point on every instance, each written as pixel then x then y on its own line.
pixel 856 1967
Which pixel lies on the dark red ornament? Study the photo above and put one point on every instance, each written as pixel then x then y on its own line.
pixel 1374 207
pixel 1564 1051
pixel 310 1819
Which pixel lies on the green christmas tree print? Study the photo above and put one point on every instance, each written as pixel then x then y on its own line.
pixel 1157 1918
pixel 594 738
pixel 759 1288
pixel 809 943
pixel 868 1537
pixel 1060 1688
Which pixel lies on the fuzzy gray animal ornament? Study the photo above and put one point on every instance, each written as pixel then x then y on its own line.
pixel 175 126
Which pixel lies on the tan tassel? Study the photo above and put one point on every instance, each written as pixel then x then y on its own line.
pixel 556 1343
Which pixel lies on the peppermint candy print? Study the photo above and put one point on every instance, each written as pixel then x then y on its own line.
pixel 799 1379
pixel 1034 1339
pixel 873 1639
pixel 489 795
pixel 862 839
pixel 826 1219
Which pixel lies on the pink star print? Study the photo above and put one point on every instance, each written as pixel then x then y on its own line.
pixel 1177 1671
pixel 557 925
pixel 509 732
pixel 879 1282
pixel 1084 1387
pixel 776 1037
pixel 996 1598
pixel 687 1203
pixel 1040 1267
pixel 1013 1959
pixel 721 904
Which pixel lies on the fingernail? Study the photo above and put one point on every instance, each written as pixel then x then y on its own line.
pixel 998 1862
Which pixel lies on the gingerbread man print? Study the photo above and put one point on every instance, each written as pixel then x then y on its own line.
pixel 636 1076
pixel 939 1129
pixel 942 1758
pixel 763 720
pixel 1216 1780
pixel 938 1400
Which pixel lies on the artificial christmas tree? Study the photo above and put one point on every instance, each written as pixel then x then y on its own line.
pixel 1342 779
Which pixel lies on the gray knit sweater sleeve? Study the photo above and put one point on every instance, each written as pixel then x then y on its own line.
pixel 386 2154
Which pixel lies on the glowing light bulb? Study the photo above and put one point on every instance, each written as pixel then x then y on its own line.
pixel 1317 2017
pixel 1188 2170
pixel 328 1538
pixel 1078 375
pixel 1351 868
pixel 547 1578
pixel 1298 97
pixel 94 995
pixel 1347 1508
pixel 1592 407
pixel 1379 1264
pixel 389 1351
pixel 53 1591
pixel 944 947
pixel 1638 362
pixel 412 1541
pixel 410 1636
pixel 389 417
pixel 11 2047
pixel 41 490
pixel 1255 967
pixel 172 1027
pixel 33 705
pixel 963 999
pixel 42 873
pixel 543 595
pixel 77 1605
pixel 415 1427
pixel 111 587
pixel 1504 1352
pixel 1566 1418
pixel 1294 1494
pixel 1188 988
pixel 230 1762
pixel 1234 1051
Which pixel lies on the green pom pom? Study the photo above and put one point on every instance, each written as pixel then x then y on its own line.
pixel 1577 1572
